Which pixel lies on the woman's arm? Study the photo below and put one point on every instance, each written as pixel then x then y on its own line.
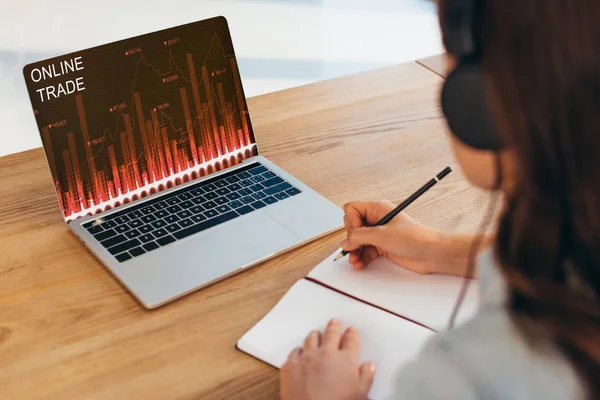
pixel 453 252
pixel 408 243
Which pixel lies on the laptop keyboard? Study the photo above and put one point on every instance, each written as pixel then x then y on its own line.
pixel 161 221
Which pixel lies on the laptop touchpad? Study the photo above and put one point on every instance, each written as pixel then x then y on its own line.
pixel 240 242
pixel 207 256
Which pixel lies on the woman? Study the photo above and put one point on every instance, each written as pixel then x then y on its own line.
pixel 537 334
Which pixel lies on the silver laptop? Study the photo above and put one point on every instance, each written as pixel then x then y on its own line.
pixel 156 167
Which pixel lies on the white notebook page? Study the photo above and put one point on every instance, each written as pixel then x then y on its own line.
pixel 388 340
pixel 426 299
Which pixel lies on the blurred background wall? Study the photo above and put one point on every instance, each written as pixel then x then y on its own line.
pixel 279 43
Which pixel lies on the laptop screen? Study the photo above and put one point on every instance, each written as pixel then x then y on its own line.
pixel 124 120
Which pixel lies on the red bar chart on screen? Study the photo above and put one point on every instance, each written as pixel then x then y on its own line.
pixel 135 117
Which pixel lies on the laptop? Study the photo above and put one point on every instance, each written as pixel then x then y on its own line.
pixel 156 167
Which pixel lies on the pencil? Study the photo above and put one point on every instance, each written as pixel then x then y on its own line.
pixel 407 202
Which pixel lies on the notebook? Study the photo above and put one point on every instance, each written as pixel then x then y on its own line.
pixel 395 310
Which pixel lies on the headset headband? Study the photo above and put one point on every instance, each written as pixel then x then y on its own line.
pixel 464 98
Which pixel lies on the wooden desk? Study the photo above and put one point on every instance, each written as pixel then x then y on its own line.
pixel 69 330
pixel 436 64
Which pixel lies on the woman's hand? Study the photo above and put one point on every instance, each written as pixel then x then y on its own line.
pixel 326 367
pixel 403 240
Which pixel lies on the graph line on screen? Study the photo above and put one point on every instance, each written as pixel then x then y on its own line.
pixel 171 123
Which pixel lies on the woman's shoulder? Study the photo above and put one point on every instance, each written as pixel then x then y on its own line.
pixel 488 358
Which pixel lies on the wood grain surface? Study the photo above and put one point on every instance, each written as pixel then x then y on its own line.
pixel 69 330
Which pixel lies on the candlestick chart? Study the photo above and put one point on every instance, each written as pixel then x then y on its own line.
pixel 157 110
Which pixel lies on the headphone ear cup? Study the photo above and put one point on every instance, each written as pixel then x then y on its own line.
pixel 466 108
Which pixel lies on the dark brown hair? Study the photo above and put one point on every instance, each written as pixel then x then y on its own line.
pixel 542 63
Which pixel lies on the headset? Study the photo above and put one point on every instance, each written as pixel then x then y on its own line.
pixel 465 103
